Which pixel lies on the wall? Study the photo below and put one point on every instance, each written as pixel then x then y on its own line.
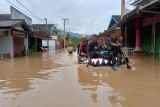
pixel 44 43
pixel 16 14
pixel 158 39
pixel 52 44
pixel 131 35
pixel 147 34
pixel 6 45
pixel 147 39
pixel 151 20
pixel 18 43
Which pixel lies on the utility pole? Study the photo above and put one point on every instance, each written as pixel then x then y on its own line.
pixel 91 25
pixel 122 8
pixel 64 22
pixel 46 31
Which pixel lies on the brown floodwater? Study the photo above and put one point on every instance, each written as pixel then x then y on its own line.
pixel 55 79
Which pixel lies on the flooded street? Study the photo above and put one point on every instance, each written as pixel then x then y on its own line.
pixel 55 79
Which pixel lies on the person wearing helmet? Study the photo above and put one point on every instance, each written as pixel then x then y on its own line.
pixel 82 47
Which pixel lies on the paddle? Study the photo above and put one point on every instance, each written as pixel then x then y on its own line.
pixel 127 62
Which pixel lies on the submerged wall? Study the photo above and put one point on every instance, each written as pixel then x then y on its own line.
pixel 147 39
pixel 6 45
pixel 158 39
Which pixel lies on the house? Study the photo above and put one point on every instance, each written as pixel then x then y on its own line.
pixel 114 24
pixel 141 27
pixel 50 27
pixel 37 38
pixel 51 42
pixel 13 37
pixel 36 35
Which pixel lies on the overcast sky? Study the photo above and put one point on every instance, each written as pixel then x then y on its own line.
pixel 85 16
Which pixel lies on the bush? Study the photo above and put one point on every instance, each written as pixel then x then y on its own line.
pixel 31 52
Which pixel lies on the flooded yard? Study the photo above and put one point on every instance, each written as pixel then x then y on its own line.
pixel 55 79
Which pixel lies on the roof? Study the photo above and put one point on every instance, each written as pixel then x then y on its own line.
pixel 9 23
pixel 115 19
pixel 43 26
pixel 151 8
pixel 12 23
pixel 16 10
pixel 5 16
pixel 142 2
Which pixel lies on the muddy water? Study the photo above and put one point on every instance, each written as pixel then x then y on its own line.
pixel 55 80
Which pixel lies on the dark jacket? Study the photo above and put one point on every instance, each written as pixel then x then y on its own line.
pixel 92 47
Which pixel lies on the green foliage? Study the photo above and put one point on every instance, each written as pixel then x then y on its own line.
pixel 75 41
pixel 31 52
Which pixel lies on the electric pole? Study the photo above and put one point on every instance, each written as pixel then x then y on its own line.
pixel 122 8
pixel 91 25
pixel 64 22
pixel 46 32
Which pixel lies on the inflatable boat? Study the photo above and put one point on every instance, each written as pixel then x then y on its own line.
pixel 105 59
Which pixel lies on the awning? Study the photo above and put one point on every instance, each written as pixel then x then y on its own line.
pixel 39 36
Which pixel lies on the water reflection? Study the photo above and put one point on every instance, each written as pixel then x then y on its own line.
pixel 93 81
pixel 17 75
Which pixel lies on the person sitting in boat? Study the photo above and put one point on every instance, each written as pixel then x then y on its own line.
pixel 115 48
pixel 83 47
pixel 94 47
pixel 70 49
pixel 103 51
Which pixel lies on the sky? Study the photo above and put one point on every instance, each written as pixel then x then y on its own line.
pixel 84 16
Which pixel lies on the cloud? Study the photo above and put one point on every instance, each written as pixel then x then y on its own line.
pixel 85 16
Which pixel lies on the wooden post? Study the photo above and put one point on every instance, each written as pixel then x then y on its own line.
pixel 154 38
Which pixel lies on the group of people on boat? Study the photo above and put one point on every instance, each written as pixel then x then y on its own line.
pixel 109 48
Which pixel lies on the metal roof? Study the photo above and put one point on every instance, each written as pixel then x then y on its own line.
pixel 9 23
pixel 12 23
pixel 43 26
pixel 117 18
pixel 5 16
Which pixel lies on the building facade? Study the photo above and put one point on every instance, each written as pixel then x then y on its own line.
pixel 12 37
pixel 141 27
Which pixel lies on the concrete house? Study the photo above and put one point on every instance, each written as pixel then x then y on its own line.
pixel 34 39
pixel 50 42
pixel 12 37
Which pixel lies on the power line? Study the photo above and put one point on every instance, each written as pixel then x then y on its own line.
pixel 61 6
pixel 57 9
pixel 12 4
pixel 15 6
pixel 64 20
pixel 28 10
pixel 34 6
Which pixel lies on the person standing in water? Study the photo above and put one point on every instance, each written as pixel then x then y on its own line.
pixel 70 49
